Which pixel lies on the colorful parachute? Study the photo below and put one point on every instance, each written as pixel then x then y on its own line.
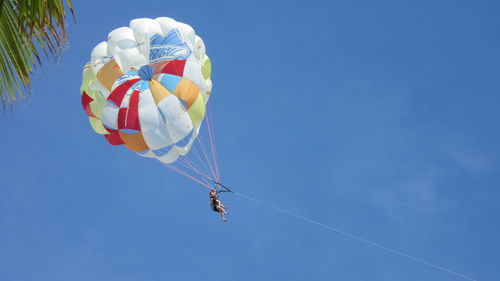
pixel 147 86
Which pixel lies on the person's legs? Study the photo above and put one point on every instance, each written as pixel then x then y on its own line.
pixel 220 209
pixel 222 212
pixel 221 206
pixel 222 216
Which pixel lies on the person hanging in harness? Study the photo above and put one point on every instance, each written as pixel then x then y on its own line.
pixel 217 206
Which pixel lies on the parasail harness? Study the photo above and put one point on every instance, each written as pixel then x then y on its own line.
pixel 220 188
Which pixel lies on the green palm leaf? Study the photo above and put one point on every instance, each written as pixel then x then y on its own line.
pixel 28 28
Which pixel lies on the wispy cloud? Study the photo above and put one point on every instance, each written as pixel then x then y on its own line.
pixel 418 195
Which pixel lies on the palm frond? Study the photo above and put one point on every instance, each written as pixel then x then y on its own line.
pixel 28 28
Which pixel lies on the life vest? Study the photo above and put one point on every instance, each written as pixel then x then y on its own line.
pixel 213 204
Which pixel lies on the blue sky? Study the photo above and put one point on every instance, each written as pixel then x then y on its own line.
pixel 376 117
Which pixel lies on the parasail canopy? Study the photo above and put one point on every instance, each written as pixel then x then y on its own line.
pixel 147 87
